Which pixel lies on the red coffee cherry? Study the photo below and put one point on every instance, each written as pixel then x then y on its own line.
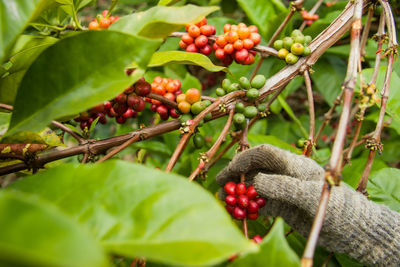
pixel 239 213
pixel 230 188
pixel 243 201
pixel 251 192
pixel 192 48
pixel 257 239
pixel 240 189
pixel 229 209
pixel 201 41
pixel 230 200
pixel 252 207
pixel 252 216
pixel 260 202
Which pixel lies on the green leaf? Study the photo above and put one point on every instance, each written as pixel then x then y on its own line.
pixel 160 21
pixel 4 121
pixel 261 13
pixel 136 211
pixel 274 251
pixel 328 77
pixel 15 14
pixel 35 233
pixel 384 188
pixel 180 57
pixel 190 82
pixel 47 136
pixel 86 69
pixel 259 139
pixel 167 2
pixel 25 51
pixel 352 172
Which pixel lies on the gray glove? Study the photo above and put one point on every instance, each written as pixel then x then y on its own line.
pixel 292 185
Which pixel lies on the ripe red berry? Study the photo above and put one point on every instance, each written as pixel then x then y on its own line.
pixel 228 49
pixel 182 44
pixel 230 200
pixel 251 192
pixel 173 113
pixel 220 53
pixel 121 98
pixel 252 216
pixel 94 25
pixel 249 60
pixel 241 55
pixel 255 37
pixel 206 30
pixel 260 202
pixel 194 31
pixel 230 188
pixel 153 108
pixel 142 88
pixel 128 113
pixel 192 48
pixel 239 213
pixel 187 39
pixel 107 105
pixel 111 112
pixel 229 209
pixel 105 23
pixel 252 207
pixel 240 189
pixel 163 111
pixel 257 239
pixel 220 41
pixel 248 44
pixel 120 108
pixel 83 124
pixel 120 120
pixel 243 201
pixel 206 50
pixel 201 41
pixel 104 13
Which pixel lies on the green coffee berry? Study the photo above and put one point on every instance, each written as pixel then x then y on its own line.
pixel 226 83
pixel 297 49
pixel 252 94
pixel 288 42
pixel 239 107
pixel 244 83
pixel 250 112
pixel 220 92
pixel 282 53
pixel 258 81
pixel 239 118
pixel 291 59
pixel 278 44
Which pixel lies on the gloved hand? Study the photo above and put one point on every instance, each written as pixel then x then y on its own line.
pixel 292 185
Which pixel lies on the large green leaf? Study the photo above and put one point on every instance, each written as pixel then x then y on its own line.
pixel 264 13
pixel 138 211
pixel 180 57
pixel 384 187
pixel 274 251
pixel 352 172
pixel 328 77
pixel 160 21
pixel 75 74
pixel 15 14
pixel 35 233
pixel 25 51
pixel 259 139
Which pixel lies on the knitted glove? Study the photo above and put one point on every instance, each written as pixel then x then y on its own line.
pixel 292 185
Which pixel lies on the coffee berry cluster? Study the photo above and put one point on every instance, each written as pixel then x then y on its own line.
pixel 235 44
pixel 196 38
pixel 242 202
pixel 308 18
pixel 243 112
pixel 103 21
pixel 292 47
pixel 126 105
pixel 168 88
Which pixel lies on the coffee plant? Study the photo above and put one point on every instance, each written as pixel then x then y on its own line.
pixel 99 101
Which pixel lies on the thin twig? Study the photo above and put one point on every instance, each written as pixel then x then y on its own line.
pixel 311 141
pixel 365 33
pixel 334 167
pixel 185 138
pixel 120 148
pixel 57 124
pixel 376 138
pixel 211 152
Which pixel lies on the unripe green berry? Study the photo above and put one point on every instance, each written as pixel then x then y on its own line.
pixel 250 112
pixel 296 33
pixel 198 141
pixel 185 117
pixel 288 42
pixel 220 92
pixel 299 39
pixel 297 49
pixel 291 59
pixel 307 39
pixel 239 107
pixel 197 107
pixel 239 118
pixel 282 53
pixel 233 87
pixel 208 117
pixel 278 44
pixel 244 83
pixel 207 102
pixel 262 107
pixel 307 51
pixel 226 83
pixel 252 94
pixel 258 81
